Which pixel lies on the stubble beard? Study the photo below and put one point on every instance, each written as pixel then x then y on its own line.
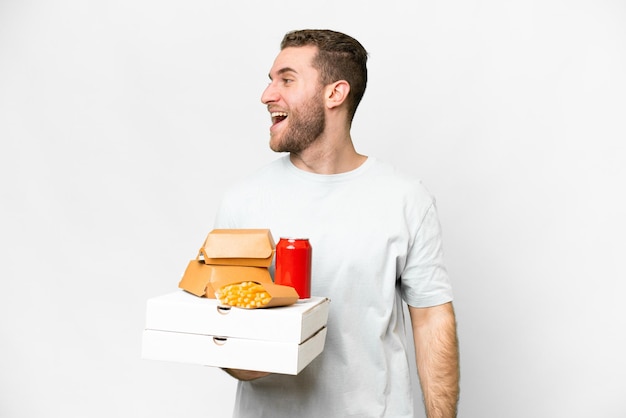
pixel 306 125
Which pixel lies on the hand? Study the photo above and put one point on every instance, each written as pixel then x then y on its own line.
pixel 246 375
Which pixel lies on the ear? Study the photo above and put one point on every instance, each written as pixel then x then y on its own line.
pixel 337 93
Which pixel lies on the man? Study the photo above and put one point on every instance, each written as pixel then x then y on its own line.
pixel 376 242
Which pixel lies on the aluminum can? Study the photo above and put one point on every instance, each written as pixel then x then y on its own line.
pixel 293 265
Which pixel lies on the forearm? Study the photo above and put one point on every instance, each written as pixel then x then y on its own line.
pixel 437 357
pixel 245 375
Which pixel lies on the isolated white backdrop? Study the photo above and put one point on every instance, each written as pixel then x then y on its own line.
pixel 122 122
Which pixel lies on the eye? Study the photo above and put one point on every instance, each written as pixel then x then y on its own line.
pixel 287 80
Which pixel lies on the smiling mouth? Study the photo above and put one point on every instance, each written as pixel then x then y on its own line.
pixel 278 117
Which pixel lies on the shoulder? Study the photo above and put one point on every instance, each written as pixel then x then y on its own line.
pixel 271 169
pixel 399 182
pixel 257 178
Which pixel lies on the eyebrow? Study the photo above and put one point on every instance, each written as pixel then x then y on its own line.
pixel 283 71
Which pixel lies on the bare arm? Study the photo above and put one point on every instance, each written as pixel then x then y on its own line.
pixel 245 375
pixel 437 356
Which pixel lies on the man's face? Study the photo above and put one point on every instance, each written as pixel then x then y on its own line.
pixel 294 99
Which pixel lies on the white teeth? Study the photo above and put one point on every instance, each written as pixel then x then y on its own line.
pixel 278 114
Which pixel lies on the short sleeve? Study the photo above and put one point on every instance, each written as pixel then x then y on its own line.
pixel 424 281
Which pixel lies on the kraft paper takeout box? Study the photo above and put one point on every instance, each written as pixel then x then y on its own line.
pixel 239 247
pixel 230 255
pixel 199 278
pixel 280 295
pixel 181 327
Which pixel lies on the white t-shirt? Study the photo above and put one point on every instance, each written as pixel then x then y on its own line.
pixel 376 240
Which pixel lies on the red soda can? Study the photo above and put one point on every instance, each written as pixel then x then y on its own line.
pixel 293 265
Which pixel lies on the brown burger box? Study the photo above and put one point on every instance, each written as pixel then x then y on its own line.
pixel 239 247
pixel 230 255
pixel 181 327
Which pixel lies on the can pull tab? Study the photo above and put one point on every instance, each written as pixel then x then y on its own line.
pixel 220 340
pixel 223 309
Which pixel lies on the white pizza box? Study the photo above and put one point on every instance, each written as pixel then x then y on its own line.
pixel 230 352
pixel 184 312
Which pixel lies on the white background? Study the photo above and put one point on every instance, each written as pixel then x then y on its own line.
pixel 123 121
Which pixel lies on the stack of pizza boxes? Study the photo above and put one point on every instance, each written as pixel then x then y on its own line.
pixel 191 325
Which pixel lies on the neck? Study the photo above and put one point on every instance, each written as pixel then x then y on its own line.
pixel 329 156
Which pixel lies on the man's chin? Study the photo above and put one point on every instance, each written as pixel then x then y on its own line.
pixel 277 145
pixel 289 144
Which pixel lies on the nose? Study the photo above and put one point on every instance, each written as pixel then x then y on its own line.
pixel 269 94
